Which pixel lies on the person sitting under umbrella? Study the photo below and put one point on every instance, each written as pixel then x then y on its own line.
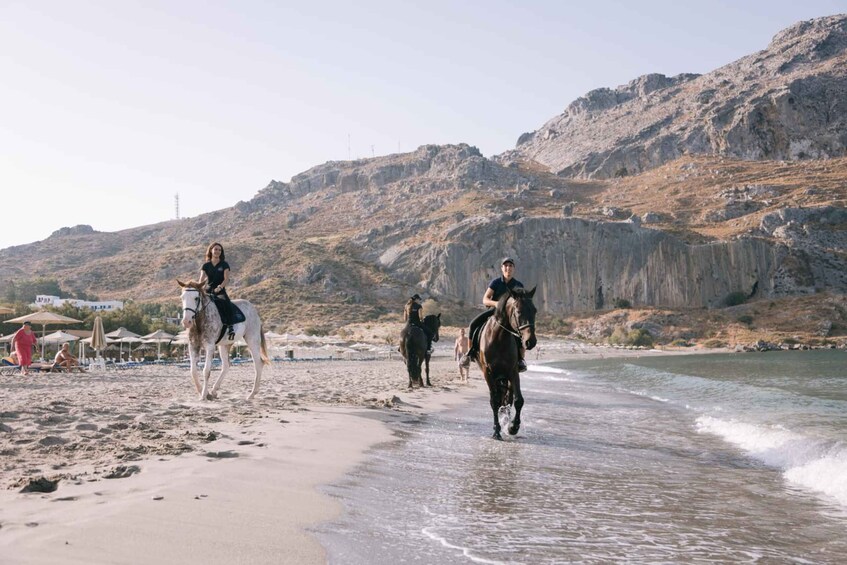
pixel 64 359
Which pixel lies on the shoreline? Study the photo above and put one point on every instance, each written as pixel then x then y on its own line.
pixel 218 482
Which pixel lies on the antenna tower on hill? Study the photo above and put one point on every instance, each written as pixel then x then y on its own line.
pixel 176 205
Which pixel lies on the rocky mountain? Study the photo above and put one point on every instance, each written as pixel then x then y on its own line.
pixel 788 101
pixel 684 229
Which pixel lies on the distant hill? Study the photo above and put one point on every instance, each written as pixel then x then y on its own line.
pixel 699 213
pixel 788 101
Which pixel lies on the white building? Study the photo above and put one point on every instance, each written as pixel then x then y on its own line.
pixel 43 300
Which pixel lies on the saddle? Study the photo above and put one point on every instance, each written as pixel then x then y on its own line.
pixel 229 312
pixel 230 315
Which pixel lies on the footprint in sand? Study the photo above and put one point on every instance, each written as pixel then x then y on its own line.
pixel 52 440
pixel 221 454
pixel 122 472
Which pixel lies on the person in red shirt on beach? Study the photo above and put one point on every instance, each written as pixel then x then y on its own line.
pixel 24 341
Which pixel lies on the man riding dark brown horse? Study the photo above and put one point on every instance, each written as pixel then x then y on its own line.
pixel 510 327
pixel 497 288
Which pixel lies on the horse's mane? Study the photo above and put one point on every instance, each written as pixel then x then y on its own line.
pixel 519 293
pixel 193 285
pixel 500 309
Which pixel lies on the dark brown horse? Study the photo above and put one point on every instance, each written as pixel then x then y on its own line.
pixel 414 350
pixel 513 320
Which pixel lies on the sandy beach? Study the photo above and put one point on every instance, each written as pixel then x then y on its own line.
pixel 147 473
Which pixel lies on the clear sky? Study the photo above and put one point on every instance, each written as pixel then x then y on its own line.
pixel 110 108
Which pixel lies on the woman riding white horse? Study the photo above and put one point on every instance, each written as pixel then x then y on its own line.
pixel 201 318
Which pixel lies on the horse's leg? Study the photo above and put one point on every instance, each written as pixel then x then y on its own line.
pixel 207 371
pixel 193 356
pixel 255 346
pixel 426 360
pixel 494 398
pixel 223 351
pixel 411 363
pixel 518 395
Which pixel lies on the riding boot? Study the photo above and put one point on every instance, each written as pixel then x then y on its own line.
pixel 521 365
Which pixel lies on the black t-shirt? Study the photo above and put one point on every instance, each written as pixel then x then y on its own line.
pixel 215 273
pixel 413 313
pixel 501 287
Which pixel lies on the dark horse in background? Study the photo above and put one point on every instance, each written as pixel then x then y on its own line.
pixel 513 320
pixel 413 348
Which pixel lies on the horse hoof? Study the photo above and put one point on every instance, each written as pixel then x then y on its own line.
pixel 513 430
pixel 497 436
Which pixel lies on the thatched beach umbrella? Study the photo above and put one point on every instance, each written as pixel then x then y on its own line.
pixel 123 335
pixel 158 337
pixel 58 337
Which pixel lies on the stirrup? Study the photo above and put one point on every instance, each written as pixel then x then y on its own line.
pixel 231 334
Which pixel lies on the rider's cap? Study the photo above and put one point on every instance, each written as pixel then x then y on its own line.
pixel 416 296
pixel 27 323
pixel 507 260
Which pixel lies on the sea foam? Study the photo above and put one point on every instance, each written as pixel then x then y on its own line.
pixel 817 464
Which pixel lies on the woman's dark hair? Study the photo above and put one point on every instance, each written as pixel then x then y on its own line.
pixel 209 251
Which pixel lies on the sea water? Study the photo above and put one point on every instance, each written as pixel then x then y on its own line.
pixel 738 458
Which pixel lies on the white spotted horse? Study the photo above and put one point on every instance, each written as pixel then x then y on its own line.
pixel 205 331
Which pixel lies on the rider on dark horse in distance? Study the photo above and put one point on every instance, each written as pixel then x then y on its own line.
pixel 496 288
pixel 412 315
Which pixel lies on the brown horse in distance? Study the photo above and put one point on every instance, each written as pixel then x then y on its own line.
pixel 513 320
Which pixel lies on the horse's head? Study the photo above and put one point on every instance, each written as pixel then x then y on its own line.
pixel 192 301
pixel 520 312
pixel 432 323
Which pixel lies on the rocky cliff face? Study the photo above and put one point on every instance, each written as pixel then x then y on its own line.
pixel 788 101
pixel 582 265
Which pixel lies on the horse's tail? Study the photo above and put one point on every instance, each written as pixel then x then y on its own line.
pixel 264 349
pixel 413 364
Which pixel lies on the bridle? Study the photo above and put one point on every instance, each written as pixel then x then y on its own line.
pixel 515 333
pixel 198 302
pixel 436 328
